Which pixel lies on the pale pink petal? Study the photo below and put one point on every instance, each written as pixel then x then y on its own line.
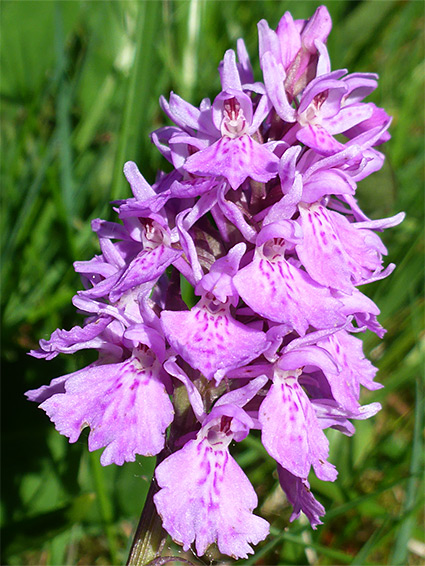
pixel 207 498
pixel 319 139
pixel 283 293
pixel 146 266
pixel 235 159
pixel 125 405
pixel 213 342
pixel 322 252
pixel 291 433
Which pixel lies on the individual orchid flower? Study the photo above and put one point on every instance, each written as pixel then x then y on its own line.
pixel 334 251
pixel 208 337
pixel 278 290
pixel 115 400
pixel 201 505
pixel 331 105
pixel 291 433
pixel 234 153
pixel 292 56
pixel 78 338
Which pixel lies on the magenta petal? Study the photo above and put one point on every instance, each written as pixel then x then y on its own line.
pixel 355 369
pixel 147 266
pixel 70 341
pixel 95 266
pixel 327 182
pixel 229 73
pixel 274 77
pixel 244 66
pixel 219 280
pixel 319 139
pixel 322 252
pixel 289 39
pixel 206 498
pixel 291 433
pixel 317 27
pixel 57 385
pixel 242 395
pixel 363 247
pixel 282 293
pixel 125 405
pixel 298 492
pixel 331 415
pixel 140 187
pixel 348 117
pixel 236 159
pixel 212 342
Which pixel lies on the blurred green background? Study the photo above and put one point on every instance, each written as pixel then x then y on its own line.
pixel 80 82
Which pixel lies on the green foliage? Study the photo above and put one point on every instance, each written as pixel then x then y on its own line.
pixel 80 85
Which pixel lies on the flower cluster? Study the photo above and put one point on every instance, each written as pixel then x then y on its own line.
pixel 259 216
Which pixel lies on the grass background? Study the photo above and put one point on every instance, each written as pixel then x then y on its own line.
pixel 80 82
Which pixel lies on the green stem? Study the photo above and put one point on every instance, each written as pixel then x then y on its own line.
pixel 150 537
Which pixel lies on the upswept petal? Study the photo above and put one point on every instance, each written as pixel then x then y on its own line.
pixel 229 73
pixel 244 66
pixel 289 39
pixel 70 341
pixel 182 113
pixel 146 266
pixel 317 27
pixel 359 86
pixel 141 189
pixel 274 76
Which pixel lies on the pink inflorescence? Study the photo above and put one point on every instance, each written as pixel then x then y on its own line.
pixel 259 216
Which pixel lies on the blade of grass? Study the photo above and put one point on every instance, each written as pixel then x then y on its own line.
pixel 139 91
pixel 345 507
pixel 21 227
pixel 85 133
pixel 324 550
pixel 191 49
pixel 63 129
pixel 400 549
pixel 360 558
